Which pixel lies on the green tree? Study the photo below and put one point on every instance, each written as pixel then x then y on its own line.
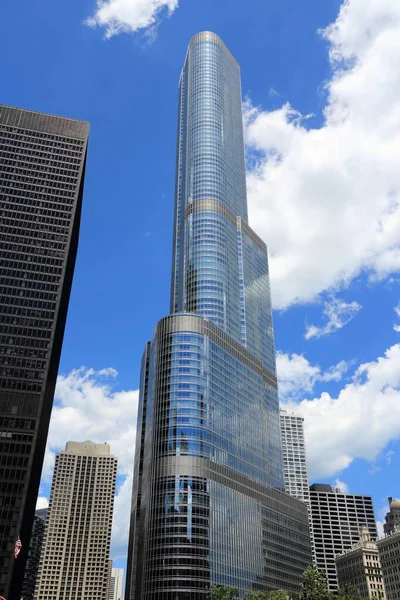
pixel 223 592
pixel 349 593
pixel 314 586
pixel 252 595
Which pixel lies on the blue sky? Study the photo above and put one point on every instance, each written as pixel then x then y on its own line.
pixel 322 126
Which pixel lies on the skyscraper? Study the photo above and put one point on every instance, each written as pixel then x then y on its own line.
pixel 389 555
pixel 42 166
pixel 295 470
pixel 74 563
pixel 35 547
pixel 207 505
pixel 116 584
pixel 337 519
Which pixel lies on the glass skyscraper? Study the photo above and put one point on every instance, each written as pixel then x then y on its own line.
pixel 207 505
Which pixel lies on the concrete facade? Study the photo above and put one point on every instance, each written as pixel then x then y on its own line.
pixel 361 569
pixel 76 547
pixel 389 554
pixel 336 520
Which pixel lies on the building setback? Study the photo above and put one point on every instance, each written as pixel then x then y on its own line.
pixel 74 563
pixel 360 568
pixel 208 506
pixel 42 166
pixel 389 554
pixel 336 521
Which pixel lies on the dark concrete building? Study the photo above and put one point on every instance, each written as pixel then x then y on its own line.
pixel 337 520
pixel 42 166
pixel 35 547
pixel 392 519
pixel 208 505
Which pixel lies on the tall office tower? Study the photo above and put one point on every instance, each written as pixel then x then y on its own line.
pixel 42 166
pixel 35 547
pixel 116 584
pixel 336 521
pixel 74 563
pixel 208 506
pixel 389 554
pixel 392 518
pixel 295 470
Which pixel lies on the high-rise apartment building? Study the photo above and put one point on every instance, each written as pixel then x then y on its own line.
pixel 74 563
pixel 360 568
pixel 392 518
pixel 389 554
pixel 295 470
pixel 336 521
pixel 208 506
pixel 35 547
pixel 116 584
pixel 42 166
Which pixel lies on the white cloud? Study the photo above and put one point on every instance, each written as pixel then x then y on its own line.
pixel 338 314
pixel 342 486
pixel 297 376
pixel 359 422
pixel 42 502
pixel 326 199
pixel 86 407
pixel 396 327
pixel 130 16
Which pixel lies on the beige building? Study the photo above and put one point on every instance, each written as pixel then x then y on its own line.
pixel 360 568
pixel 74 563
pixel 389 553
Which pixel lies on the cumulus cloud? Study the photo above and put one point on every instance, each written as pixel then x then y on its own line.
pixel 359 422
pixel 326 199
pixel 297 376
pixel 338 313
pixel 42 502
pixel 342 486
pixel 130 16
pixel 87 407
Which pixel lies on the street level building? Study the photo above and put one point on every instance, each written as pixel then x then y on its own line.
pixel 35 547
pixel 42 167
pixel 389 554
pixel 360 568
pixel 116 584
pixel 208 505
pixel 392 518
pixel 336 520
pixel 74 563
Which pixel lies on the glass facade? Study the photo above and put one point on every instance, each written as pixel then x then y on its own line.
pixel 207 504
pixel 42 166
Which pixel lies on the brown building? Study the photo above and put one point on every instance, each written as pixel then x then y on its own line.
pixel 360 568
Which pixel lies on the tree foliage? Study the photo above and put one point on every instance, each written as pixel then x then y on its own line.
pixel 223 592
pixel 314 585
